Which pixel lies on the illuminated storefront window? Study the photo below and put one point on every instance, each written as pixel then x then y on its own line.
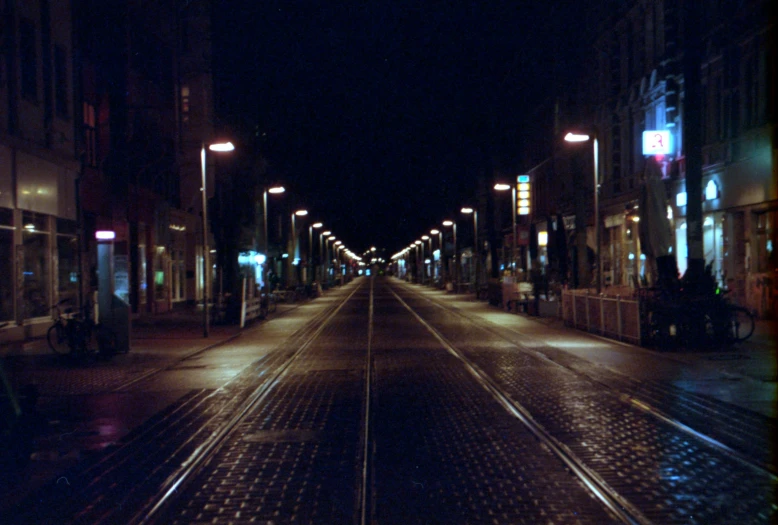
pixel 35 239
pixel 713 240
pixel 766 259
pixel 67 260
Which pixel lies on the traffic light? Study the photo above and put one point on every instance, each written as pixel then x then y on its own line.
pixel 523 194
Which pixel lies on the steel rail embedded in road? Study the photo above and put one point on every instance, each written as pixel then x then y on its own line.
pixel 609 497
pixel 176 482
pixel 364 500
pixel 626 398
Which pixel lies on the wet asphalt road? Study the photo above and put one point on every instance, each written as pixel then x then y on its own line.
pixel 377 405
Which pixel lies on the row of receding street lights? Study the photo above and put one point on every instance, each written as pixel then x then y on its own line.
pixel 324 247
pixel 523 204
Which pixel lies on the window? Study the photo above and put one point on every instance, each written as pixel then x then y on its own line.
pixel 766 259
pixel 67 257
pixel 29 60
pixel 35 240
pixel 61 82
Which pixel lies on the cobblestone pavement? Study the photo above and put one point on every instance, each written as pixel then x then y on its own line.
pixel 441 451
pixel 440 448
pixel 671 476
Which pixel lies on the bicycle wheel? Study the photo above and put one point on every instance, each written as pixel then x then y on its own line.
pixel 741 323
pixel 58 339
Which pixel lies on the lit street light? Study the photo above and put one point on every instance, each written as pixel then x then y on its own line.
pixel 432 258
pixel 217 147
pixel 323 264
pixel 298 213
pixel 476 249
pixel 315 225
pixel 581 137
pixel 275 190
pixel 420 244
pixel 512 187
pixel 456 262
pixel 435 231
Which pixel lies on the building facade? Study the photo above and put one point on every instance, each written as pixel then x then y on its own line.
pixel 637 90
pixel 38 164
pixel 105 107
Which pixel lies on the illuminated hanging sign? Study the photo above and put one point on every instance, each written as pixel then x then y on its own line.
pixel 657 142
pixel 105 235
pixel 523 194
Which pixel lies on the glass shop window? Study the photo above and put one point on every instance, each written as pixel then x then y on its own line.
pixel 766 259
pixel 67 257
pixel 37 261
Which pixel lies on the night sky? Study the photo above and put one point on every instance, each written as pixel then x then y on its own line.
pixel 379 116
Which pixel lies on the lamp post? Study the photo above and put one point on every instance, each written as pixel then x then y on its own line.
pixel 274 190
pixel 337 246
pixel 432 258
pixel 582 137
pixel 512 187
pixel 329 259
pixel 453 224
pixel 217 147
pixel 322 255
pixel 315 225
pixel 420 248
pixel 439 233
pixel 298 213
pixel 477 250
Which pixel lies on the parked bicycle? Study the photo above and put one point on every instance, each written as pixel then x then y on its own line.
pixel 728 322
pixel 73 332
pixel 701 320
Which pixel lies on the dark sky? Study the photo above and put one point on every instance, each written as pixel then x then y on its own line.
pixel 379 115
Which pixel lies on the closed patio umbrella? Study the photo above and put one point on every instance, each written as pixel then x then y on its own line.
pixel 654 229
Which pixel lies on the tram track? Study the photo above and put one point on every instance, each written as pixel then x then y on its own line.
pixel 636 394
pixel 628 399
pixel 610 498
pixel 160 456
pixel 277 411
pixel 177 481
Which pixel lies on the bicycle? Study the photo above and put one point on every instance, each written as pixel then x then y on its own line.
pixel 729 322
pixel 71 334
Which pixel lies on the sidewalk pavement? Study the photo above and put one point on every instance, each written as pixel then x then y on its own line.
pixel 179 328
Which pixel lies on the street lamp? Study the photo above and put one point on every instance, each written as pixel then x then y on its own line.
pixel 315 225
pixel 435 231
pixel 275 190
pixel 298 213
pixel 327 254
pixel 456 261
pixel 467 210
pixel 582 137
pixel 432 258
pixel 420 245
pixel 337 245
pixel 217 147
pixel 512 187
pixel 322 255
